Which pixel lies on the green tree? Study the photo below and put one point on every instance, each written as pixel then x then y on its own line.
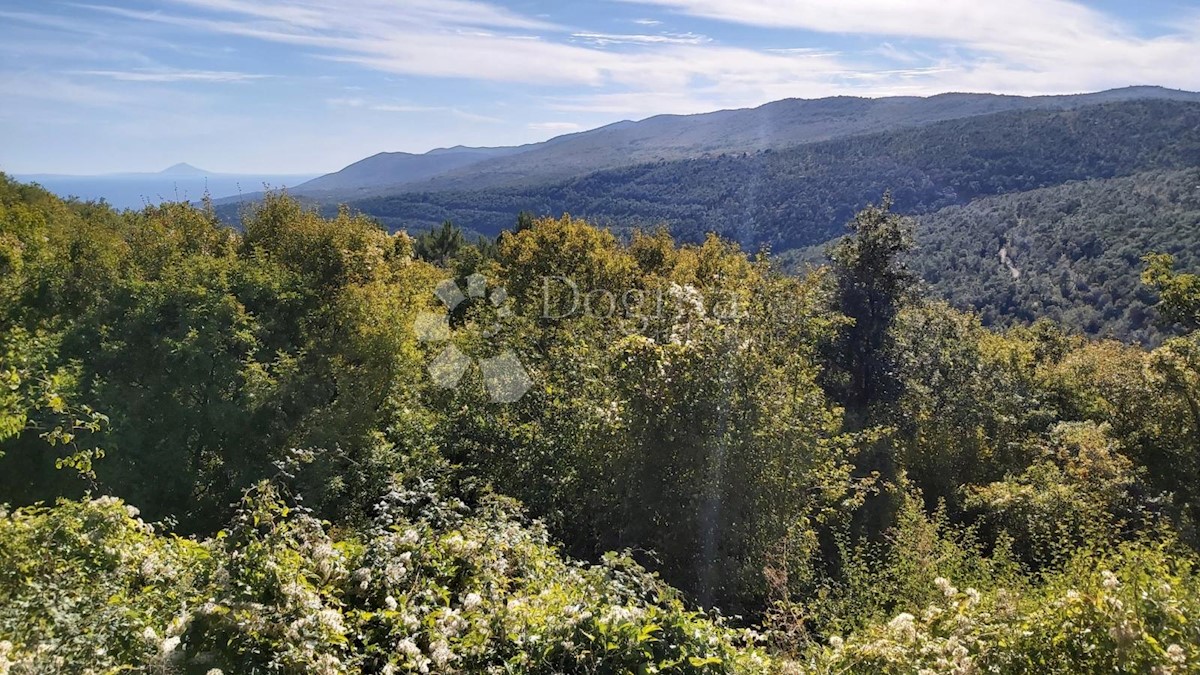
pixel 1179 294
pixel 43 427
pixel 872 283
pixel 440 245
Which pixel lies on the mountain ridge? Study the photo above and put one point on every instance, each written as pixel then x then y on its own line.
pixel 774 125
pixel 389 168
pixel 800 196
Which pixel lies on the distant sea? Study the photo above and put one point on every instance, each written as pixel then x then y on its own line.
pixel 134 191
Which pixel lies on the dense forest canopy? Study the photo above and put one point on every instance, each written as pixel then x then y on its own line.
pixel 829 472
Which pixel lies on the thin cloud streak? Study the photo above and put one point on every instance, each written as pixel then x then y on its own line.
pixel 61 90
pixel 557 127
pixel 1032 45
pixel 363 104
pixel 660 39
pixel 216 76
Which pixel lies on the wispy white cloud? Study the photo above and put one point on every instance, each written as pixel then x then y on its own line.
pixel 364 104
pixel 65 90
pixel 1019 46
pixel 557 127
pixel 802 51
pixel 424 38
pixel 55 22
pixel 889 51
pixel 324 14
pixel 39 52
pixel 469 116
pixel 171 75
pixel 397 108
pixel 431 41
pixel 658 39
pixel 647 22
pixel 391 107
pixel 1025 22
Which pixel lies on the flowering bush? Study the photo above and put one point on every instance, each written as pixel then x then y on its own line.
pixel 87 587
pixel 1135 611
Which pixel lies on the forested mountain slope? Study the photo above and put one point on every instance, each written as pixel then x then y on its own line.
pixel 1074 251
pixel 776 125
pixel 801 196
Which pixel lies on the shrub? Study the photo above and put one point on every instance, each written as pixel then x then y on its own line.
pixel 1136 610
pixel 430 586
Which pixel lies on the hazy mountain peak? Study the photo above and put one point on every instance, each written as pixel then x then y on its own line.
pixel 183 169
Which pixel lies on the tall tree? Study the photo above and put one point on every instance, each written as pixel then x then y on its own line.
pixel 872 282
pixel 871 285
pixel 439 245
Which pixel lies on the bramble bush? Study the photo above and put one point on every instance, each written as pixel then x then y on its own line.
pixel 1133 610
pixel 88 587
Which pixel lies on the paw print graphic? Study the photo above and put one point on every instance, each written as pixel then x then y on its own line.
pixel 504 376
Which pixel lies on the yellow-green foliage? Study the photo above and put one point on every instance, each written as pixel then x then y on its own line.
pixel 1135 610
pixel 200 342
pixel 38 406
pixel 1079 490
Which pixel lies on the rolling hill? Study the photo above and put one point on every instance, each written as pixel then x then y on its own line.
pixel 785 199
pixel 777 125
pixel 396 168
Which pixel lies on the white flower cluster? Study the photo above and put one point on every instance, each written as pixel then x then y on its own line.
pixel 688 304
pixel 1176 655
pixel 623 614
pixel 903 627
pixel 472 601
pixel 1109 580
pixel 945 587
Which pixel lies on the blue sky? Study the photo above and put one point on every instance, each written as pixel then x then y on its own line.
pixel 268 86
